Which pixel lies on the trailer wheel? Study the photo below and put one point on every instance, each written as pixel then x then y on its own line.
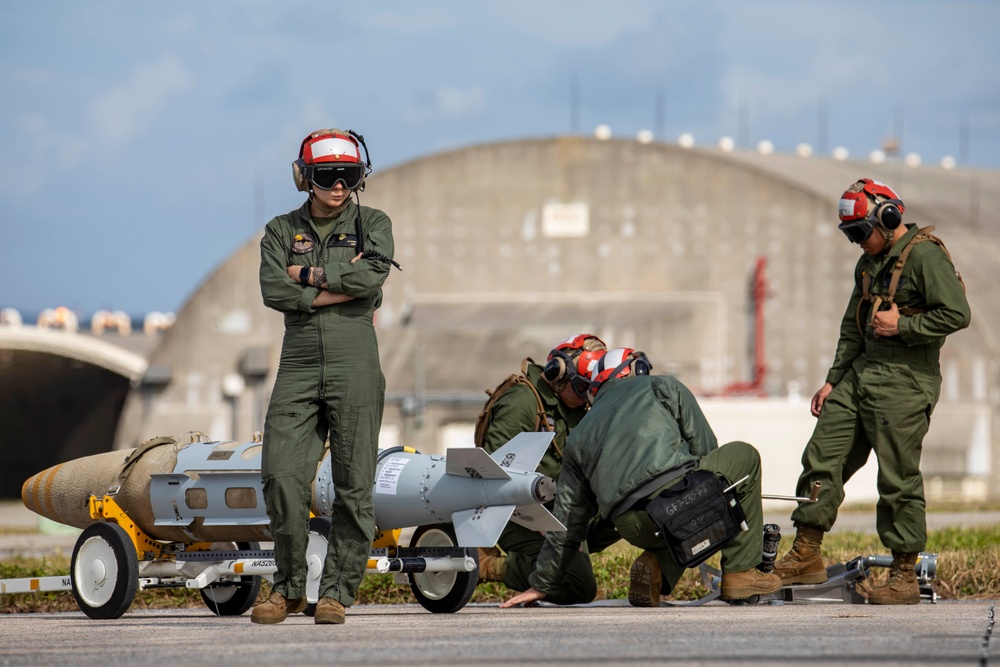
pixel 232 599
pixel 104 571
pixel 442 592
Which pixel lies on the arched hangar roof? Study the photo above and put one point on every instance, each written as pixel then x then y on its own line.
pixel 61 394
pixel 662 258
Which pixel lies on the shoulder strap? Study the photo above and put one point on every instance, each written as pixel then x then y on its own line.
pixel 866 281
pixel 482 422
pixel 540 418
pixel 923 234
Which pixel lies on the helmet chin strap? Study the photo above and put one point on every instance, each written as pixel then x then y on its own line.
pixel 888 234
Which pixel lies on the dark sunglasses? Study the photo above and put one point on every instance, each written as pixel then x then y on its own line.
pixel 326 178
pixel 857 231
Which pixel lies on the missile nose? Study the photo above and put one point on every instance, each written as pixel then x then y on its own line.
pixel 544 489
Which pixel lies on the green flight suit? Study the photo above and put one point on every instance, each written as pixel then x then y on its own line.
pixel 885 389
pixel 632 442
pixel 329 385
pixel 515 412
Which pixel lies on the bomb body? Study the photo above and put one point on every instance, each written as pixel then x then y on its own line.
pixel 212 491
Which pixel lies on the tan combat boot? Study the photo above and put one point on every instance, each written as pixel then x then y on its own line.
pixel 902 587
pixel 804 563
pixel 645 581
pixel 741 585
pixel 276 608
pixel 492 564
pixel 329 611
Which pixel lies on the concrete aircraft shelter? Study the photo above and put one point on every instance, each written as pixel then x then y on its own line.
pixel 508 248
pixel 60 397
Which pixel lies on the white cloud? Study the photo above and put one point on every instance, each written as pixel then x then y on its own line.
pixel 122 113
pixel 581 23
pixel 33 76
pixel 447 103
pixel 417 21
pixel 22 178
pixel 111 121
pixel 283 148
pixel 787 61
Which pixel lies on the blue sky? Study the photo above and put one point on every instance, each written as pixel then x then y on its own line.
pixel 136 138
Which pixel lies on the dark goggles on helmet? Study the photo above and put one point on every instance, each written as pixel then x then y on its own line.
pixel 580 384
pixel 326 177
pixel 857 231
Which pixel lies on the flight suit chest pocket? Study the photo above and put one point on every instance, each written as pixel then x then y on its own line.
pixel 341 247
pixel 342 240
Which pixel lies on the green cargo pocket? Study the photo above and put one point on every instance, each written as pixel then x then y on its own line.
pixel 353 457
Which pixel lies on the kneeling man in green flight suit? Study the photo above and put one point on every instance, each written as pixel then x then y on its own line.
pixel 642 435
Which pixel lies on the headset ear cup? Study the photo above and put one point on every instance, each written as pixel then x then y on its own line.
pixel 641 365
pixel 298 175
pixel 554 370
pixel 889 215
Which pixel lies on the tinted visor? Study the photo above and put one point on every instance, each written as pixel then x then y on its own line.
pixel 857 231
pixel 325 177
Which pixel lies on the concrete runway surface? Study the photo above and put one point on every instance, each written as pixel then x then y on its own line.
pixel 946 633
pixel 605 633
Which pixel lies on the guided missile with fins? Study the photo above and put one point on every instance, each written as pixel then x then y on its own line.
pixel 212 491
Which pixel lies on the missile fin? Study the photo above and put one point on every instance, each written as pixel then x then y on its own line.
pixel 480 526
pixel 537 517
pixel 473 462
pixel 523 451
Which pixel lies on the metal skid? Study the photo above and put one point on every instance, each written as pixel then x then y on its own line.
pixel 840 586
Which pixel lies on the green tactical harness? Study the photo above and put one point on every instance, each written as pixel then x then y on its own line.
pixel 877 302
pixel 483 420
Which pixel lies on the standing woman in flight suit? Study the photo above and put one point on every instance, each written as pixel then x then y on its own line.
pixel 323 266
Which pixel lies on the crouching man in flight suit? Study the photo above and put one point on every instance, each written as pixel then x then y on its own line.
pixel 642 435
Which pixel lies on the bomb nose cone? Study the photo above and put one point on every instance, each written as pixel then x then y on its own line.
pixel 37 489
pixel 61 493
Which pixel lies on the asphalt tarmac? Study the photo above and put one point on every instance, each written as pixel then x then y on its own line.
pixel 945 633
pixel 604 633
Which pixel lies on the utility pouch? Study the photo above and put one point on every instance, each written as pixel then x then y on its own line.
pixel 696 517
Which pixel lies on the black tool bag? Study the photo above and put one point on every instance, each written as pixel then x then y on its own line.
pixel 696 517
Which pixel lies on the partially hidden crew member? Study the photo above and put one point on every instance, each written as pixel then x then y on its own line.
pixel 551 398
